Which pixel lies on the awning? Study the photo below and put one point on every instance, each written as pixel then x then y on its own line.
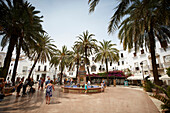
pixel 164 77
pixel 151 78
pixel 137 77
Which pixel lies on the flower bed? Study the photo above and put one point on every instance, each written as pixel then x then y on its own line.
pixel 110 74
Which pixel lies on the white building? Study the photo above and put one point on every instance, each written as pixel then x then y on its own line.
pixel 2 57
pixel 127 60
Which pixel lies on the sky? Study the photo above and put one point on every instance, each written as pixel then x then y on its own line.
pixel 64 20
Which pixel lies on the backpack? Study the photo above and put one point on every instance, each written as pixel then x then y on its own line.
pixel 48 89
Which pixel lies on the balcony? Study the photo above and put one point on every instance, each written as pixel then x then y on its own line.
pixel 159 67
pixel 167 64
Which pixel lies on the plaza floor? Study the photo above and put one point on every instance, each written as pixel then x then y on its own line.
pixel 113 100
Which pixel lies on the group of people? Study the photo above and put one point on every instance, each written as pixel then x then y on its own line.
pixel 21 84
pixel 67 81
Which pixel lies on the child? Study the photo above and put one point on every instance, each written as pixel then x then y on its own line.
pixel 102 86
pixel 85 86
pixel 49 88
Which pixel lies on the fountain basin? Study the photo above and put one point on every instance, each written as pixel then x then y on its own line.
pixel 75 89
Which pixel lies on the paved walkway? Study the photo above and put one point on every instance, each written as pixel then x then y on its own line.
pixel 113 100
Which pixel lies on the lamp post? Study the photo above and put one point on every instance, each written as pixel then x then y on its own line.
pixel 141 64
pixel 82 61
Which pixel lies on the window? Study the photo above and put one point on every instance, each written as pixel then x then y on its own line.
pixel 110 63
pixel 45 68
pixel 39 68
pixel 93 68
pixel 92 58
pixel 167 58
pixel 100 68
pixel 137 68
pixel 24 69
pixel 121 55
pixel 142 51
pixel 38 76
pixel 118 63
pixel 9 72
pixel 134 54
pixel 70 73
pixel 122 62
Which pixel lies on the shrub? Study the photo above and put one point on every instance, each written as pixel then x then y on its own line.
pixel 168 71
pixel 165 100
pixel 148 86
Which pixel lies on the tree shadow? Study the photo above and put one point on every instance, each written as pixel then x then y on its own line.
pixel 29 102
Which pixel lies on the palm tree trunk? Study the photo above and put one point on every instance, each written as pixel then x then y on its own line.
pixel 153 57
pixel 7 60
pixel 77 68
pixel 61 75
pixel 86 63
pixel 108 83
pixel 16 61
pixel 33 66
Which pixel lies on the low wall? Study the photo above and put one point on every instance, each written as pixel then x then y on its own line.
pixel 80 90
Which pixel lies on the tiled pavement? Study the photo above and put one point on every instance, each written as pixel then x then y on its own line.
pixel 113 100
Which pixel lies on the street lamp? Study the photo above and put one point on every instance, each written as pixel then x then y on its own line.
pixel 82 61
pixel 141 64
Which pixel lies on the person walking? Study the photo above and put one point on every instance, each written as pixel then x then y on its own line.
pixel 48 81
pixel 25 86
pixel 39 83
pixel 42 84
pixel 19 86
pixel 49 88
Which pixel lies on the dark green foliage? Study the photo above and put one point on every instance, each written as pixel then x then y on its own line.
pixel 0 72
pixel 168 71
pixel 148 86
pixel 165 99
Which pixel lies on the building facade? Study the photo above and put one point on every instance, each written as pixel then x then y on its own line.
pixel 128 60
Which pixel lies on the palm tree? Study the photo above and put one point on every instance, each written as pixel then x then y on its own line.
pixel 144 27
pixel 106 53
pixel 16 18
pixel 29 34
pixel 87 46
pixel 61 58
pixel 145 21
pixel 42 51
pixel 75 59
pixel 118 15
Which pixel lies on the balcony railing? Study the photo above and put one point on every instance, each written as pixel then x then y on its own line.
pixel 159 66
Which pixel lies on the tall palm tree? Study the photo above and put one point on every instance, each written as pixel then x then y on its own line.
pixel 75 59
pixel 30 32
pixel 16 18
pixel 43 51
pixel 88 46
pixel 143 27
pixel 146 20
pixel 61 58
pixel 106 53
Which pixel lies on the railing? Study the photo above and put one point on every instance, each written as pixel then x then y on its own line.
pixel 159 66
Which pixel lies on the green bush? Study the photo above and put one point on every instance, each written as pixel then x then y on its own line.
pixel 165 100
pixel 148 86
pixel 168 71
